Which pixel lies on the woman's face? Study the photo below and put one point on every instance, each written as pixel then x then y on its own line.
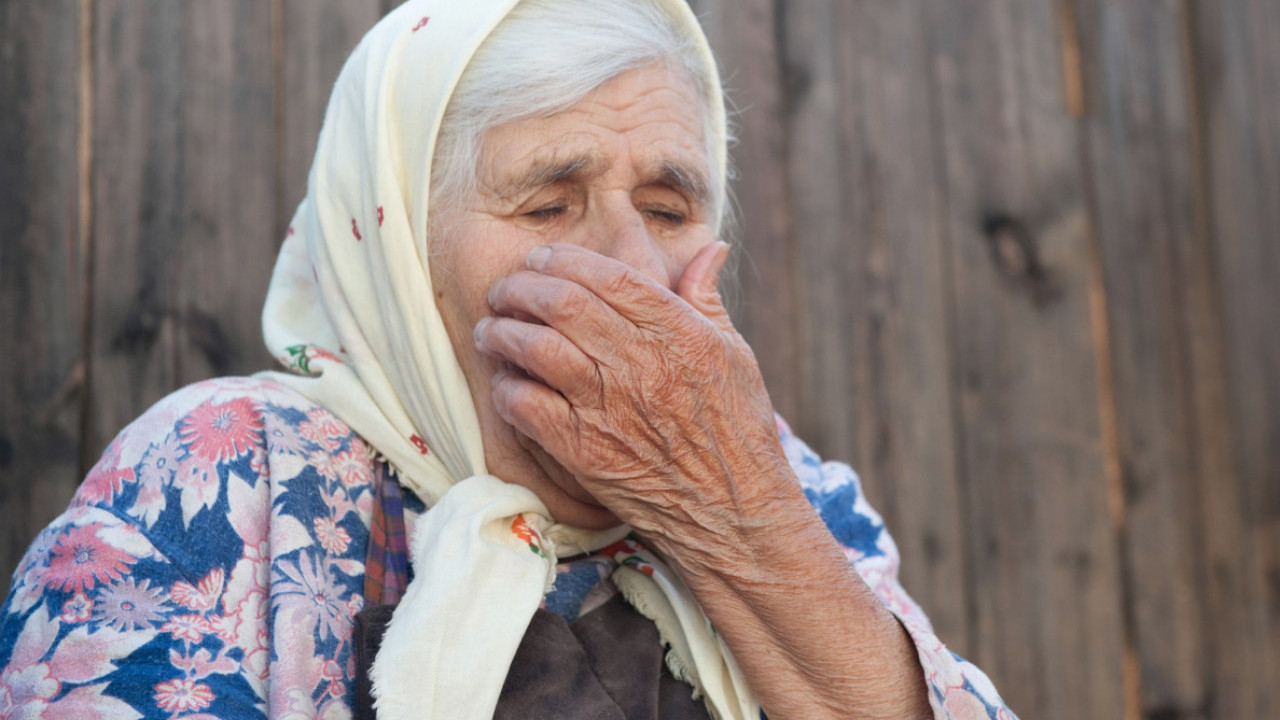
pixel 623 173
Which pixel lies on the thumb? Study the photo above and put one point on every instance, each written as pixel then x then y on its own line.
pixel 700 283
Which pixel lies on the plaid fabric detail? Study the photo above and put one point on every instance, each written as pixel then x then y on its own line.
pixel 386 564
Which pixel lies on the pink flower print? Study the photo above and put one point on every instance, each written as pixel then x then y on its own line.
pixel 421 24
pixel 329 424
pixel 355 230
pixel 380 216
pixel 203 663
pixel 324 463
pixel 304 586
pixel 331 672
pixel 259 462
pixel 323 429
pixel 361 449
pixel 964 705
pixel 103 483
pixel 26 691
pixel 332 537
pixel 160 461
pixel 81 560
pixel 353 468
pixel 191 628
pixel 203 595
pixel 283 438
pixel 127 606
pixel 183 695
pixel 77 609
pixel 221 432
pixel 200 484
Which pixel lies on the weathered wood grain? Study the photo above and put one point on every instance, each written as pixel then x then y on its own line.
pixel 1237 60
pixel 916 209
pixel 1143 147
pixel 872 307
pixel 1048 603
pixel 316 39
pixel 41 270
pixel 744 34
pixel 183 190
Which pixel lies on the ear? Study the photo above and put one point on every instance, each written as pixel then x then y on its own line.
pixel 700 283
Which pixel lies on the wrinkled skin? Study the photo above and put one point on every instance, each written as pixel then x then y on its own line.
pixel 579 290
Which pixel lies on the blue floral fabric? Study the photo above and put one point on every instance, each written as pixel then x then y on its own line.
pixel 212 562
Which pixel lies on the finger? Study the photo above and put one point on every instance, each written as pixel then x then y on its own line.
pixel 631 293
pixel 699 285
pixel 540 413
pixel 586 320
pixel 544 353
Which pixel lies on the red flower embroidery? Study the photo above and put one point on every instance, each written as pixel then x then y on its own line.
pixel 419 443
pixel 421 24
pixel 521 529
pixel 355 230
pixel 380 216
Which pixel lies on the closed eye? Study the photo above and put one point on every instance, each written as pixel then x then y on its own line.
pixel 667 217
pixel 547 213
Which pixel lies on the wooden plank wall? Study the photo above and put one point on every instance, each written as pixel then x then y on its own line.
pixel 1014 260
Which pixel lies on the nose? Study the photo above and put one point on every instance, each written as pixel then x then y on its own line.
pixel 620 232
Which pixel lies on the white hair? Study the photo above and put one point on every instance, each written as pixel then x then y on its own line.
pixel 545 57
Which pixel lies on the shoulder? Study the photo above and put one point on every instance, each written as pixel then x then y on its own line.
pixel 219 455
pixel 186 436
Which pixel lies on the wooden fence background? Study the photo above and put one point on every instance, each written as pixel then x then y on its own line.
pixel 1015 259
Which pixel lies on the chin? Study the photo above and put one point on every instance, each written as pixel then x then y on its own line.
pixel 528 465
pixel 576 513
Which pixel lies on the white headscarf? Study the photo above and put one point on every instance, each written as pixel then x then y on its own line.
pixel 351 307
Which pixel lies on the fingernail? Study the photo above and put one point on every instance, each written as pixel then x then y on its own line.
pixel 537 257
pixel 480 328
pixel 493 291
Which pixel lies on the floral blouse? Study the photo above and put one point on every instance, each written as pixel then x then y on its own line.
pixel 212 562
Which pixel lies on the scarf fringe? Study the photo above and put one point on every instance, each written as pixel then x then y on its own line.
pixel 639 590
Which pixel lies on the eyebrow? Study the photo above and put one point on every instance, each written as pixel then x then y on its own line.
pixel 687 180
pixel 542 173
pixel 549 172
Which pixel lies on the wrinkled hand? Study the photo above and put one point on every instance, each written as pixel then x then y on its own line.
pixel 650 398
pixel 656 405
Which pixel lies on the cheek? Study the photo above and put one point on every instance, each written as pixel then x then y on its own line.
pixel 462 275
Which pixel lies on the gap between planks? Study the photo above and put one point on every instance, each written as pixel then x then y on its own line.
pixel 84 229
pixel 1074 101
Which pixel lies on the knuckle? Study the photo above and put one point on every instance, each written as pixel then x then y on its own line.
pixel 626 283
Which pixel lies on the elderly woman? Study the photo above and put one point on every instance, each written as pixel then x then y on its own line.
pixel 500 296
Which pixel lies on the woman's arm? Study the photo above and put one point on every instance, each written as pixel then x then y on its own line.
pixel 811 635
pixel 664 418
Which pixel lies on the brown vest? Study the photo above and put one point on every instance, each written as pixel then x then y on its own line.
pixel 606 665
